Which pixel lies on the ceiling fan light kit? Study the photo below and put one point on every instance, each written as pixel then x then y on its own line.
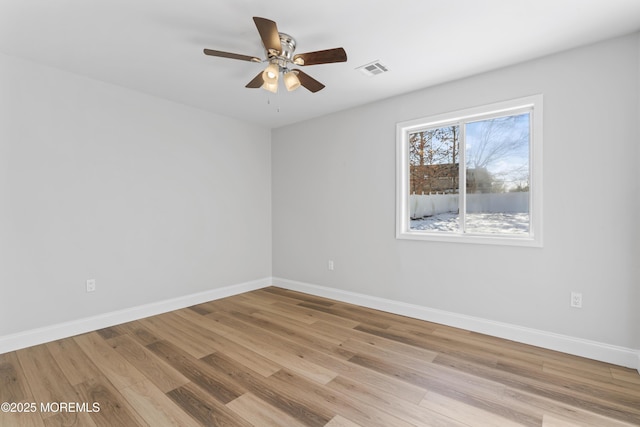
pixel 280 48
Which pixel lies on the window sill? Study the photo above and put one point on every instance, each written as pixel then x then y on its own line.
pixel 483 239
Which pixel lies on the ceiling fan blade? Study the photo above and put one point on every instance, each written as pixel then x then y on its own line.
pixel 309 82
pixel 321 57
pixel 268 33
pixel 222 54
pixel 256 82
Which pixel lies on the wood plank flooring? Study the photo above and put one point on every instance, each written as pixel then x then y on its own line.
pixel 275 357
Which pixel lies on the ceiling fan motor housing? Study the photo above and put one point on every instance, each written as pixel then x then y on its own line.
pixel 284 58
pixel 288 44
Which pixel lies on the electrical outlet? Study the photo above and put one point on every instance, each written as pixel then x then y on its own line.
pixel 330 265
pixel 576 299
pixel 91 285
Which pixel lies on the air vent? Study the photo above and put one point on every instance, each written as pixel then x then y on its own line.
pixel 373 68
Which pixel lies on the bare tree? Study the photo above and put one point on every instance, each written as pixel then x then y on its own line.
pixel 432 159
pixel 496 139
pixel 434 146
pixel 500 147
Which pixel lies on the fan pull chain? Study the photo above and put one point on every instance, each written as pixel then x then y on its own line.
pixel 277 105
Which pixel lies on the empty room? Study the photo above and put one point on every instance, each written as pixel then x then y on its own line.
pixel 337 213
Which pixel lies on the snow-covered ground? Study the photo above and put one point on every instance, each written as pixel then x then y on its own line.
pixel 485 223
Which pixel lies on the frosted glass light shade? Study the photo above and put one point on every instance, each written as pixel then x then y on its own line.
pixel 291 81
pixel 270 74
pixel 271 87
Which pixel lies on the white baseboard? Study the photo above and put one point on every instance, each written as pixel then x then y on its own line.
pixel 577 346
pixel 67 329
pixel 580 347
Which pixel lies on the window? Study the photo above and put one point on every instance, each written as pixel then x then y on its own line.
pixel 472 175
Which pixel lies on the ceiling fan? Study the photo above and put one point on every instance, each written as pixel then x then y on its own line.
pixel 280 48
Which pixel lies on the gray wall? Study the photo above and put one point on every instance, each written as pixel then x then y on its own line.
pixel 334 196
pixel 636 249
pixel 152 199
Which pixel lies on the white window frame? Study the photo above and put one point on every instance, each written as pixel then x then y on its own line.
pixel 532 104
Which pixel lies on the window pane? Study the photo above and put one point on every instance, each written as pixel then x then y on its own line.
pixel 434 179
pixel 497 175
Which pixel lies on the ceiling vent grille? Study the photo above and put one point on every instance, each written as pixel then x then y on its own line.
pixel 373 68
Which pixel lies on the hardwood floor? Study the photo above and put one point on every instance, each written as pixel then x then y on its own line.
pixel 274 357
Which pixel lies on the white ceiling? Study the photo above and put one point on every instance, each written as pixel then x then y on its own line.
pixel 155 46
